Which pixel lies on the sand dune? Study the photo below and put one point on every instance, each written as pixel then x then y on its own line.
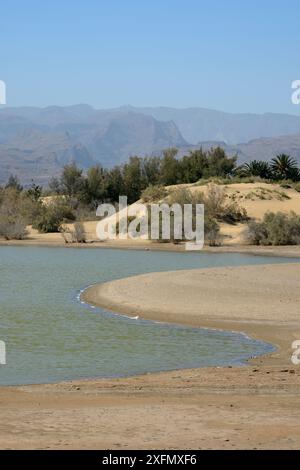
pixel 256 198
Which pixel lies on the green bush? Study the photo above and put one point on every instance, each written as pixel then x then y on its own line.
pixel 215 202
pixel 297 187
pixel 275 229
pixel 16 211
pixel 52 216
pixel 212 232
pixel 19 205
pixel 256 233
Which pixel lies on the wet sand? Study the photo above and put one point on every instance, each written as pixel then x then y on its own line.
pixel 263 301
pixel 255 406
pixel 238 408
pixel 55 240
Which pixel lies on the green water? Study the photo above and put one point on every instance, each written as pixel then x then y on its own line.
pixel 51 336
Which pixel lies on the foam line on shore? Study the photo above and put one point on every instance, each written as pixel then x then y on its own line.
pixel 260 302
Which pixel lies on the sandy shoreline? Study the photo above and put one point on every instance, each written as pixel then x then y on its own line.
pixel 262 301
pixel 56 242
pixel 257 406
pixel 228 408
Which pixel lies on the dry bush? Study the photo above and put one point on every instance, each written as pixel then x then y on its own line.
pixel 12 228
pixel 183 196
pixel 215 202
pixel 217 206
pixel 154 194
pixel 275 229
pixel 212 232
pixel 78 233
pixel 75 235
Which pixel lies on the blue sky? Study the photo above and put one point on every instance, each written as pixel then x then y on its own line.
pixel 236 56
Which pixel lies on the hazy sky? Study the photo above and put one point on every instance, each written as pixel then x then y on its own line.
pixel 233 55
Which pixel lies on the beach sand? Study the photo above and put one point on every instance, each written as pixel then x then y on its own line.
pixel 254 406
pixel 263 301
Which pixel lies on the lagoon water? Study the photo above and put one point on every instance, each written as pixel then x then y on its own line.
pixel 51 336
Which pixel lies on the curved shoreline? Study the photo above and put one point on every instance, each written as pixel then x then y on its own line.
pixel 115 312
pixel 287 251
pixel 233 305
pixel 254 407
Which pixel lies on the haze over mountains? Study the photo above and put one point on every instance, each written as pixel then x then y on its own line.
pixel 35 143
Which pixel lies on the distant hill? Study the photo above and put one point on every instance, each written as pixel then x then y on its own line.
pixel 199 124
pixel 259 149
pixel 36 142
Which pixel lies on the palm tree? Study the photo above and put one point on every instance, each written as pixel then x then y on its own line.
pixel 256 168
pixel 285 167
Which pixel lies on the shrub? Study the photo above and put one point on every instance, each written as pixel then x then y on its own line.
pixel 154 193
pixel 212 232
pixel 297 187
pixel 52 216
pixel 211 229
pixel 235 179
pixel 16 209
pixel 18 204
pixel 48 222
pixel 217 207
pixel 287 185
pixel 281 195
pixel 256 233
pixel 183 196
pixel 275 229
pixel 12 228
pixel 215 203
pixel 215 200
pixel 172 238
pixel 77 235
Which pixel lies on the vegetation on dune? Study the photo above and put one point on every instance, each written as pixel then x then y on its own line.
pixel 275 229
pixel 74 196
pixel 154 193
pixel 215 201
pixel 297 187
pixel 52 216
pixel 217 209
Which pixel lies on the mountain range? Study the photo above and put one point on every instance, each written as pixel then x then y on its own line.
pixel 35 143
